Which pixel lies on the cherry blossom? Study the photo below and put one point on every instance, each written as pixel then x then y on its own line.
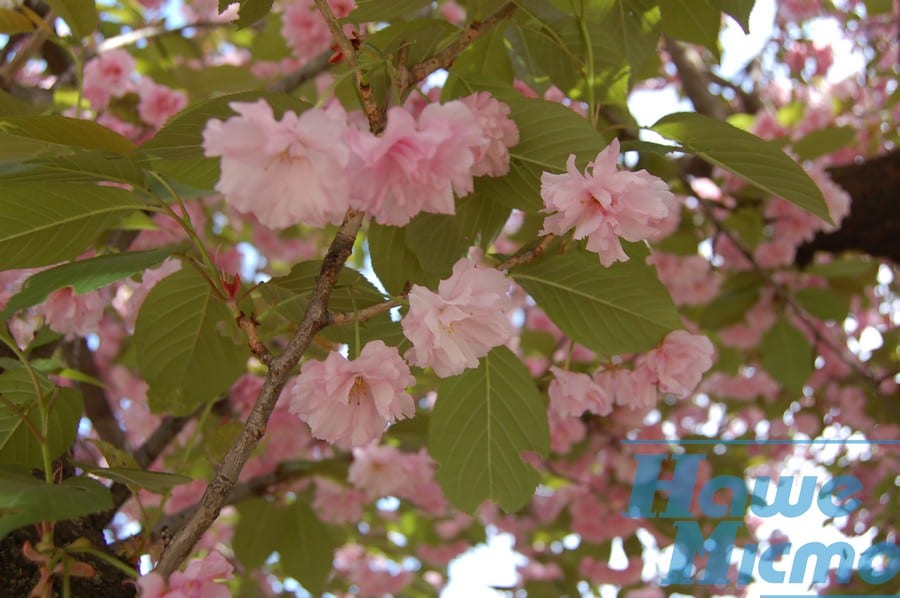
pixel 606 205
pixel 70 313
pixel 573 393
pixel 108 76
pixel 349 403
pixel 498 134
pixel 468 316
pixel 159 103
pixel 679 361
pixel 285 172
pixel 198 579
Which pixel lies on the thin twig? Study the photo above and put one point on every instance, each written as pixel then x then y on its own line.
pixel 290 82
pixel 444 59
pixel 529 255
pixel 259 349
pixel 145 33
pixel 363 314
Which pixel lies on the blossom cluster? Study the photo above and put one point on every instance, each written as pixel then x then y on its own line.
pixel 350 402
pixel 310 168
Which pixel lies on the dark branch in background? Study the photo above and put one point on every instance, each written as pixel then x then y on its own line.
pixel 695 79
pixel 96 404
pixel 873 225
pixel 290 82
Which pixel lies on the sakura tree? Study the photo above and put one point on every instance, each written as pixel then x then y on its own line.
pixel 316 295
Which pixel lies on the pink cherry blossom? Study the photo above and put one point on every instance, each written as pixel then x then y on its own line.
pixel 453 12
pixel 573 393
pixel 285 172
pixel 680 361
pixel 304 29
pixel 469 315
pixel 416 164
pixel 349 403
pixel 605 206
pixel 159 103
pixel 198 579
pixel 71 314
pixel 498 134
pixel 336 503
pixel 689 279
pixel 379 470
pixel 108 76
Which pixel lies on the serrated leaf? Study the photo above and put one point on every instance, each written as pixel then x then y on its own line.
pixel 380 11
pixel 251 11
pixel 823 303
pixel 738 294
pixel 307 548
pixel 393 261
pixel 823 141
pixel 58 227
pixel 694 21
pixel 83 276
pixel 157 482
pixel 62 130
pixel 757 161
pixel 739 10
pixel 184 350
pixel 289 295
pixel 620 309
pixel 14 22
pixel 787 355
pixel 259 531
pixel 18 445
pixel 484 419
pixel 80 15
pixel 25 500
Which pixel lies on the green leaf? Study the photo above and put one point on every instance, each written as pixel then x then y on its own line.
pixel 260 529
pixel 394 262
pixel 787 355
pixel 46 223
pixel 738 294
pixel 739 10
pixel 25 500
pixel 824 303
pixel 439 241
pixel 487 58
pixel 157 482
pixel 251 11
pixel 83 276
pixel 80 15
pixel 18 445
pixel 758 162
pixel 548 133
pixel 13 106
pixel 12 21
pixel 62 130
pixel 381 11
pixel 620 309
pixel 823 141
pixel 695 21
pixel 482 422
pixel 184 347
pixel 307 551
pixel 289 295
pixel 81 167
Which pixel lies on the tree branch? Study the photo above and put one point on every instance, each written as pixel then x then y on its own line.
pixel 221 486
pixel 96 403
pixel 444 59
pixel 291 81
pixel 363 314
pixel 695 79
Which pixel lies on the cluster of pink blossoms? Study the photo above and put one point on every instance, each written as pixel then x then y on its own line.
pixel 311 168
pixel 607 205
pixel 198 579
pixel 112 75
pixel 675 366
pixel 349 403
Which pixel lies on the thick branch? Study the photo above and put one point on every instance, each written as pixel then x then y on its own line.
pixel 873 225
pixel 695 79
